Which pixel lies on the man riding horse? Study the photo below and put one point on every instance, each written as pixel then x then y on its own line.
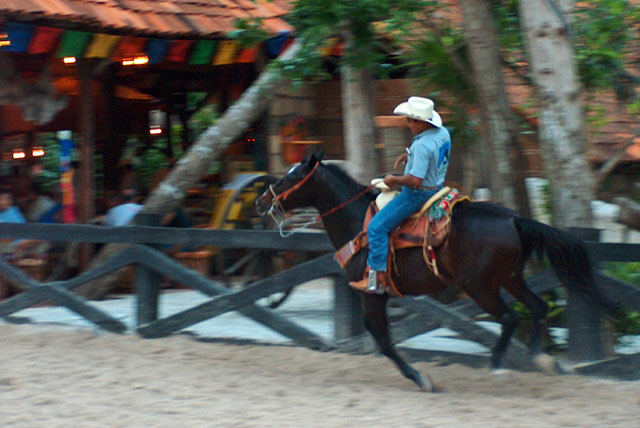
pixel 426 162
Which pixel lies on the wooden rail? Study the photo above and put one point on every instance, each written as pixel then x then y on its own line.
pixel 424 313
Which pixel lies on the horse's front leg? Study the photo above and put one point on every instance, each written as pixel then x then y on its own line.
pixel 376 322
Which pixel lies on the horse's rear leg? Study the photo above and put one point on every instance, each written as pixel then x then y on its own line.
pixel 376 322
pixel 491 302
pixel 537 306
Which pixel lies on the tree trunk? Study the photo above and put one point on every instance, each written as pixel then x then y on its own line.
pixel 358 122
pixel 561 116
pixel 38 102
pixel 211 144
pixel 196 161
pixel 500 131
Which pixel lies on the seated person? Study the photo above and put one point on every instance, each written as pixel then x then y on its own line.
pixel 123 213
pixel 41 205
pixel 9 213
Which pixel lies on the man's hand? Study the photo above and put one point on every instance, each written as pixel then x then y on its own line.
pixel 402 159
pixel 391 180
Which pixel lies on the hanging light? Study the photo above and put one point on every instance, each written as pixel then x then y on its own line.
pixel 37 152
pixel 157 119
pixel 136 60
pixel 19 154
pixel 69 60
pixel 4 40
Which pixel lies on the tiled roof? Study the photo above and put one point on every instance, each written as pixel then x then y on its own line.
pixel 160 18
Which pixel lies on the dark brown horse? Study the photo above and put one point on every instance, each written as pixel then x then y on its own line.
pixel 487 248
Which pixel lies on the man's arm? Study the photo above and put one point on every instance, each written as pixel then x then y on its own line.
pixel 402 180
pixel 402 159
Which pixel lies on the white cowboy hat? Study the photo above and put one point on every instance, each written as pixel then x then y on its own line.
pixel 421 109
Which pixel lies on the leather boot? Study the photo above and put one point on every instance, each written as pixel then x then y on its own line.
pixel 373 282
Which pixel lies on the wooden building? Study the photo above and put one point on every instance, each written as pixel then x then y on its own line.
pixel 115 61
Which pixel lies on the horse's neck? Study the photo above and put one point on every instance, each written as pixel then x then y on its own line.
pixel 346 222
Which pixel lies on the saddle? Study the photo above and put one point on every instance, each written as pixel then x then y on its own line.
pixel 428 228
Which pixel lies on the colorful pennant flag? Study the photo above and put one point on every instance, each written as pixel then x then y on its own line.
pixel 44 40
pixel 247 55
pixel 157 50
pixel 226 54
pixel 73 43
pixel 275 45
pixel 39 40
pixel 102 46
pixel 202 52
pixel 129 47
pixel 179 50
pixel 19 35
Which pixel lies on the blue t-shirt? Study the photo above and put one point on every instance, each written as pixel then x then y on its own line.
pixel 12 215
pixel 428 156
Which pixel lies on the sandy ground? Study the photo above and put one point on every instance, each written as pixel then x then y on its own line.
pixel 59 377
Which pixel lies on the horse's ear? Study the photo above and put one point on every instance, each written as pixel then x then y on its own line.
pixel 316 157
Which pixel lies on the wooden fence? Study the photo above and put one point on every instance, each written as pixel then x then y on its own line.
pixel 424 314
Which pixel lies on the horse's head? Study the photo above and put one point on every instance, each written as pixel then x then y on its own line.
pixel 291 191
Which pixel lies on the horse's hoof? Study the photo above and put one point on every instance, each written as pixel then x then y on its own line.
pixel 546 363
pixel 427 386
pixel 563 367
pixel 500 371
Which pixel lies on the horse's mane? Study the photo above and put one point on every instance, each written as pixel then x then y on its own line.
pixel 343 176
pixel 346 182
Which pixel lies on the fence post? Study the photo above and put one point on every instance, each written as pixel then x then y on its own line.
pixel 347 314
pixel 147 285
pixel 583 318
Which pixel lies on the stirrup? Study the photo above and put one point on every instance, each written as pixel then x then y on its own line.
pixel 368 284
pixel 372 283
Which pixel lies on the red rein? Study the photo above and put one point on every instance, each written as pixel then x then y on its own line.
pixel 298 185
pixel 283 196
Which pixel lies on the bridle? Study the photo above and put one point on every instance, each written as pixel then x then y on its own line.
pixel 276 210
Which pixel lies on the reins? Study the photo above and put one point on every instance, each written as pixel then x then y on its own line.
pixel 276 205
pixel 298 185
pixel 344 204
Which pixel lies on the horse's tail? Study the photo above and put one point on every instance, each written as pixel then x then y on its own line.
pixel 568 257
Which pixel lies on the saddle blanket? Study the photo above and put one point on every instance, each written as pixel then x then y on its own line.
pixel 430 228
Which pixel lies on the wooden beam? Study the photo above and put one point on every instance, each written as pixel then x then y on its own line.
pixel 28 298
pixel 261 239
pixel 317 268
pixel 61 296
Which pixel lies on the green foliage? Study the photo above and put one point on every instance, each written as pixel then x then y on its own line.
pixel 49 178
pixel 555 318
pixel 634 108
pixel 429 57
pixel 202 119
pixel 317 22
pixel 150 161
pixel 248 32
pixel 628 272
pixel 628 324
pixel 600 31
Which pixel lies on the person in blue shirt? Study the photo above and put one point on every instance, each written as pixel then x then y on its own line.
pixel 426 162
pixel 9 213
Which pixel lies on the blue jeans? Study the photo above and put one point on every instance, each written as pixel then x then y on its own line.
pixel 402 206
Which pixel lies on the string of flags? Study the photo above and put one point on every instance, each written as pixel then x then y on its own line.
pixel 131 50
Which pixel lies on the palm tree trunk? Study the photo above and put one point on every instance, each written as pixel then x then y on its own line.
pixel 500 130
pixel 358 124
pixel 561 115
